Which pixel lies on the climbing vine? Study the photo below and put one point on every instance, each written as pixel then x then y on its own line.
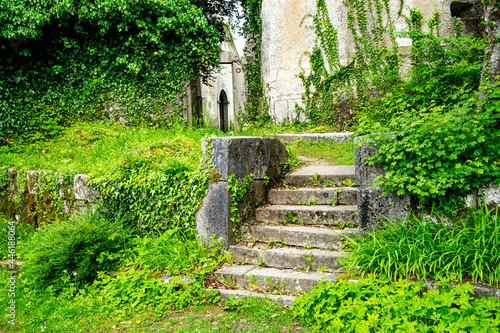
pixel 331 84
pixel 367 87
pixel 237 191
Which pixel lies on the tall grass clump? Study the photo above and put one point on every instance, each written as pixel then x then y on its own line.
pixel 465 249
pixel 178 252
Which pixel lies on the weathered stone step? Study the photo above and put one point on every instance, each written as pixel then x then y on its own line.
pixel 330 137
pixel 335 174
pixel 253 277
pixel 285 300
pixel 320 196
pixel 287 257
pixel 321 238
pixel 318 215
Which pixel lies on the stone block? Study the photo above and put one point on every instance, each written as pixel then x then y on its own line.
pixel 83 191
pixel 240 156
pixel 214 217
pixel 366 174
pixel 489 195
pixel 374 207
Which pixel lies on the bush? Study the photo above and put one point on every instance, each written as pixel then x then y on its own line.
pixel 378 305
pixel 441 157
pixel 80 248
pixel 466 249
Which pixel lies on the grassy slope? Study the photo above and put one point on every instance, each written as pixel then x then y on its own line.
pixel 95 148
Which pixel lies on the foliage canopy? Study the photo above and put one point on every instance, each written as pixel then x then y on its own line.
pixel 62 60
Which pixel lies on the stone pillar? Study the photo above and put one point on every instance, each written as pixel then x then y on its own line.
pixel 373 206
pixel 264 158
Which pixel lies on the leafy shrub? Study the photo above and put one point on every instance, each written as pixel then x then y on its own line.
pixel 440 157
pixel 417 247
pixel 178 253
pixel 80 248
pixel 378 305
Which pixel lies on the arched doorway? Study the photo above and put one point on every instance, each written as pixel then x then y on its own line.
pixel 223 112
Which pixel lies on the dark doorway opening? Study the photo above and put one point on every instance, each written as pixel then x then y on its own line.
pixel 223 112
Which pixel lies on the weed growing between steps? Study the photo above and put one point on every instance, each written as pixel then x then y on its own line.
pixel 465 250
pixel 379 305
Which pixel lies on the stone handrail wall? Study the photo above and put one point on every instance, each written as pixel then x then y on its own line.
pixel 264 158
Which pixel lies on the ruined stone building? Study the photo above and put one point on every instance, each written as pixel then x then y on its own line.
pixel 288 35
pixel 217 103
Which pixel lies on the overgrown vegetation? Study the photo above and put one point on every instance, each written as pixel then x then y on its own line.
pixel 77 249
pixel 379 305
pixel 256 107
pixel 441 157
pixel 466 249
pixel 445 128
pixel 80 60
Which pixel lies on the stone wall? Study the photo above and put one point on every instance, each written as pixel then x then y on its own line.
pixel 374 206
pixel 30 197
pixel 288 35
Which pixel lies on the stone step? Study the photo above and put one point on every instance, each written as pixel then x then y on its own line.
pixel 327 137
pixel 321 238
pixel 285 300
pixel 317 215
pixel 321 196
pixel 336 174
pixel 283 257
pixel 254 277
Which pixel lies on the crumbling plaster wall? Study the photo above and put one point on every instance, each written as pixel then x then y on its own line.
pixel 288 34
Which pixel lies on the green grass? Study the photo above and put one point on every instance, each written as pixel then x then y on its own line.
pixel 96 148
pixel 334 154
pixel 462 250
pixel 135 302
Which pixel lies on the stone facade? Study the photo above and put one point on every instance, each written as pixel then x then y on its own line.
pixel 288 35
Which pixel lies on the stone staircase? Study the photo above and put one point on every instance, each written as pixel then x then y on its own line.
pixel 296 240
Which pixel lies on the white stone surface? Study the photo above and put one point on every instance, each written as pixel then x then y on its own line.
pixel 82 190
pixel 491 194
pixel 288 35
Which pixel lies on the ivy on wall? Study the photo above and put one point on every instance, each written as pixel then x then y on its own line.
pixel 331 84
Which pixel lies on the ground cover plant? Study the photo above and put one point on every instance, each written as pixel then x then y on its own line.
pixel 379 305
pixel 463 250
